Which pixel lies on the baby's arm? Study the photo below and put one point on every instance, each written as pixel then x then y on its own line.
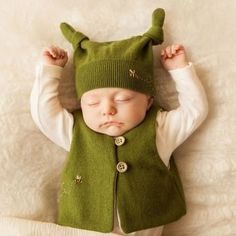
pixel 175 126
pixel 51 118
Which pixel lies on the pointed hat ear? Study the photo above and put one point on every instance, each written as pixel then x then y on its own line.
pixel 156 32
pixel 73 36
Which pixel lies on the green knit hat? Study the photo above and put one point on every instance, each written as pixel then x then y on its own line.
pixel 124 64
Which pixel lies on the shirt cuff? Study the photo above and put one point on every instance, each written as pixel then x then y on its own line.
pixel 186 71
pixel 50 71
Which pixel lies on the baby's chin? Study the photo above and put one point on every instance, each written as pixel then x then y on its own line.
pixel 112 131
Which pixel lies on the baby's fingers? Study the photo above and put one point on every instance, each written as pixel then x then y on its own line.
pixel 163 54
pixel 172 50
pixel 50 51
pixel 168 51
pixel 178 49
pixel 56 52
pixel 60 53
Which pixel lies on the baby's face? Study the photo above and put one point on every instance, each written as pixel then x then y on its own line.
pixel 114 111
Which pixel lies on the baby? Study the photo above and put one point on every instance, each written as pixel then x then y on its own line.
pixel 120 175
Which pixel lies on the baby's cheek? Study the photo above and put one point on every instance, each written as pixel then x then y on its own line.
pixel 91 124
pixel 87 116
pixel 136 118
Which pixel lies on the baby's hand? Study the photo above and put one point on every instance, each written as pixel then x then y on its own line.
pixel 174 57
pixel 55 56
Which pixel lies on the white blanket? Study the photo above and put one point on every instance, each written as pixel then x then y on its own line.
pixel 31 164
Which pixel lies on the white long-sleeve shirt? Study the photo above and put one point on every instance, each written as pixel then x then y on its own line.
pixel 172 127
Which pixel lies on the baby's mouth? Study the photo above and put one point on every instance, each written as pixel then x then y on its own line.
pixel 112 123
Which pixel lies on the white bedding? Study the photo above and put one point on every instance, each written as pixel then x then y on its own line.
pixel 31 164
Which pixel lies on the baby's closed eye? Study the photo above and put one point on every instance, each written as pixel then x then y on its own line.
pixel 90 101
pixel 122 99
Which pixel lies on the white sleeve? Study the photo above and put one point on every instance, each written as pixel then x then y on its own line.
pixel 175 126
pixel 52 119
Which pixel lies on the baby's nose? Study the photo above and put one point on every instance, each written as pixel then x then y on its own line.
pixel 109 110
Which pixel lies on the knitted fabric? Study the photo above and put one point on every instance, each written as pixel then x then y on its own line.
pixel 148 194
pixel 124 64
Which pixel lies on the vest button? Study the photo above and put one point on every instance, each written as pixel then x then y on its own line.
pixel 121 167
pixel 119 141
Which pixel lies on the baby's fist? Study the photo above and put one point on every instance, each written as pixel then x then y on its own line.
pixel 174 57
pixel 55 56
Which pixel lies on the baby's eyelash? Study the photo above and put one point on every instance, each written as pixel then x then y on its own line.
pixel 122 99
pixel 92 103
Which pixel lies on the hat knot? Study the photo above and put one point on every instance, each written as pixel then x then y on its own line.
pixel 73 36
pixel 156 31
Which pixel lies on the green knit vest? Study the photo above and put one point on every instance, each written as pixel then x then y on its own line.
pixel 148 194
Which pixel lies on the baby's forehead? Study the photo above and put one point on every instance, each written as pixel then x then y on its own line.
pixel 107 92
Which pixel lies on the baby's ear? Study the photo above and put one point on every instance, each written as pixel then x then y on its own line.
pixel 156 32
pixel 73 36
pixel 150 102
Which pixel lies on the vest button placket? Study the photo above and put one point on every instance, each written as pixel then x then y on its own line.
pixel 121 166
